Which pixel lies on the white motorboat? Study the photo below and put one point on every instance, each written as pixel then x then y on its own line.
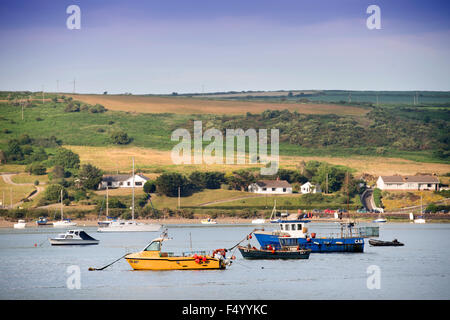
pixel 380 220
pixel 129 225
pixel 259 221
pixel 208 221
pixel 63 223
pixel 73 237
pixel 20 224
pixel 419 220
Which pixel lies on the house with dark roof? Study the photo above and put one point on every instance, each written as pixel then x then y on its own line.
pixel 419 182
pixel 122 181
pixel 270 187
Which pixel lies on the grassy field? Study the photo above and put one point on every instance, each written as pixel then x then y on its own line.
pixel 183 105
pixel 396 199
pixel 334 96
pixel 198 198
pixel 27 178
pixel 113 159
pixel 18 192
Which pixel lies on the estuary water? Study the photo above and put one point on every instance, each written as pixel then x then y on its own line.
pixel 32 269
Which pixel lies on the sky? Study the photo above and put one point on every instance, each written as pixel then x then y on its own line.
pixel 160 47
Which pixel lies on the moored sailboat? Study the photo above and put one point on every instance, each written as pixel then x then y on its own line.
pixel 63 222
pixel 129 225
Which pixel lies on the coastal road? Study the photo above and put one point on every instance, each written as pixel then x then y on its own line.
pixel 367 200
pixel 7 177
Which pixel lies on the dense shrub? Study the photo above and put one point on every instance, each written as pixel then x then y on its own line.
pixel 66 159
pixel 53 192
pixel 120 137
pixel 36 169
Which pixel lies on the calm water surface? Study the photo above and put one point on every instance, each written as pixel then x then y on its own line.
pixel 419 270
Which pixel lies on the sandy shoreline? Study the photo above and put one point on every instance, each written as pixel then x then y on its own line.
pixel 221 221
pixel 93 222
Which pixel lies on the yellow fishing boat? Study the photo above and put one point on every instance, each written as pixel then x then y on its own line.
pixel 151 258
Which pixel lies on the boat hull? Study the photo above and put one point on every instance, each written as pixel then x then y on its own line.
pixel 64 225
pixel 173 263
pixel 255 254
pixel 379 243
pixel 130 228
pixel 259 221
pixel 317 245
pixel 72 242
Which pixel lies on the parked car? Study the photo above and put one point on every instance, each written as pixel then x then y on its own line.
pixel 361 210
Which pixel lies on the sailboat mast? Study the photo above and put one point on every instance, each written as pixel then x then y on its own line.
pixel 132 203
pixel 421 210
pixel 107 202
pixel 62 204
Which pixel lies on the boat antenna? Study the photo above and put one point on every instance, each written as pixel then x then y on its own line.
pixel 107 206
pixel 132 204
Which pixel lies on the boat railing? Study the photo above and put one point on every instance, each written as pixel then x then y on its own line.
pixel 191 253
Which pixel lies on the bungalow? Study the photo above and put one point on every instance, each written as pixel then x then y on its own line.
pixel 122 181
pixel 271 187
pixel 420 182
pixel 308 187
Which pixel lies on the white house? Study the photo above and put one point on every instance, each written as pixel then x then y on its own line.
pixel 271 187
pixel 308 187
pixel 122 181
pixel 421 182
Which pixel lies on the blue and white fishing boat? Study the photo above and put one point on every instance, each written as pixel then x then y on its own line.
pixel 42 221
pixel 295 233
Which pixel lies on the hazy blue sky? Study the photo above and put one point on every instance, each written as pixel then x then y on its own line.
pixel 163 46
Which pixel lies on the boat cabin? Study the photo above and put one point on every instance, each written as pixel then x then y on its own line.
pixel 295 228
pixel 75 234
pixel 155 245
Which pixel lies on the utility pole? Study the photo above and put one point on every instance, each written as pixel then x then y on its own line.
pixel 73 85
